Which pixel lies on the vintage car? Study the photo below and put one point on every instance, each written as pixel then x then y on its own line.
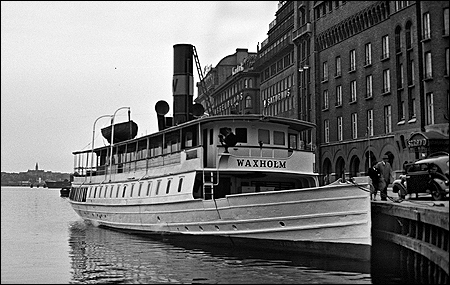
pixel 429 175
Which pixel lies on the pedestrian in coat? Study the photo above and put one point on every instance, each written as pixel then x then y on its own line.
pixel 385 170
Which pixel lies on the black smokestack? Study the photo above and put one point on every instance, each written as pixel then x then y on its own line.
pixel 183 83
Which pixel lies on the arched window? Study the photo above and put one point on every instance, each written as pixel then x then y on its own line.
pixel 398 41
pixel 408 35
pixel 250 83
pixel 248 101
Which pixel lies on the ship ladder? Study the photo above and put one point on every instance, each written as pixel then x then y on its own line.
pixel 210 179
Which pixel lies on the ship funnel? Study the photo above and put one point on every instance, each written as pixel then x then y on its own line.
pixel 183 83
pixel 161 108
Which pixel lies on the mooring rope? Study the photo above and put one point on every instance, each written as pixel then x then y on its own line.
pixel 396 200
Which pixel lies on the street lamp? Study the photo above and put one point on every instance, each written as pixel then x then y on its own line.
pixel 93 136
pixel 112 139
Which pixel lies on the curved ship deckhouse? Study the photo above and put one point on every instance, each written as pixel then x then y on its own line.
pixel 247 178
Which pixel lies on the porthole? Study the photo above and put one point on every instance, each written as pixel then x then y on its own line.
pixel 282 224
pixel 201 228
pixel 234 228
pixel 217 227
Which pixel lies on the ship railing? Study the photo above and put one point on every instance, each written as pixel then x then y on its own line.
pixel 141 164
pixel 267 152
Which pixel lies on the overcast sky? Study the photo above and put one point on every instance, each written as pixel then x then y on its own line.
pixel 64 64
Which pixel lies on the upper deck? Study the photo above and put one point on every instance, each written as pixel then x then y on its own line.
pixel 228 143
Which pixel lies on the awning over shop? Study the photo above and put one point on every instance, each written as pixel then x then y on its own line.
pixel 428 142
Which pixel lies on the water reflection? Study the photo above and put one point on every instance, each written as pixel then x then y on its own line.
pixel 104 256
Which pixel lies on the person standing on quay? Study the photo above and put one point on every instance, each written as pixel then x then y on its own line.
pixel 385 170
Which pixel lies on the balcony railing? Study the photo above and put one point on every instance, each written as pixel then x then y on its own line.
pixel 306 28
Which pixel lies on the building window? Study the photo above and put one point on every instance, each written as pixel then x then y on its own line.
pixel 248 102
pixel 446 22
pixel 369 86
pixel 428 67
pixel 354 125
pixel 385 47
pixel 338 67
pixel 386 81
pixel 339 95
pixel 339 128
pixel 446 62
pixel 325 99
pixel 326 127
pixel 408 35
pixel 368 54
pixel 426 26
pixel 325 71
pixel 353 91
pixel 401 106
pixel 370 122
pixel 411 104
pixel 430 108
pixel 387 119
pixel 352 60
pixel 400 79
pixel 398 42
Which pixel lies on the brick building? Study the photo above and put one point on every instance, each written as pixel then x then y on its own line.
pixel 233 85
pixel 372 76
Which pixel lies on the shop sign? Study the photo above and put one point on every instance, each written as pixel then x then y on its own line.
pixel 417 140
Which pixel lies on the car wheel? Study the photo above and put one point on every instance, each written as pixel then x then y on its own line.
pixel 399 192
pixel 436 193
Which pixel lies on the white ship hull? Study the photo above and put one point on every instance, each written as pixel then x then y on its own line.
pixel 336 215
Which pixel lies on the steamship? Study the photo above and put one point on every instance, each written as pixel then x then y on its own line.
pixel 245 180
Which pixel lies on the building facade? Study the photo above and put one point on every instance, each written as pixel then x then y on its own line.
pixel 372 76
pixel 232 85
pixel 377 85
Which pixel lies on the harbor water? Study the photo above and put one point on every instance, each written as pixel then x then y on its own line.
pixel 44 241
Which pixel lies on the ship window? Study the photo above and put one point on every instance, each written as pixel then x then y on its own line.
pixel 106 190
pixel 292 141
pixel 132 188
pixel 140 188
pixel 264 136
pixel 180 184
pixel 241 135
pixel 100 191
pixel 118 190
pixel 95 191
pixel 211 136
pixel 157 187
pixel 169 181
pixel 124 190
pixel 149 187
pixel 111 193
pixel 278 138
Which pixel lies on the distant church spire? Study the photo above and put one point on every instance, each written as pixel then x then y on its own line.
pixel 37 167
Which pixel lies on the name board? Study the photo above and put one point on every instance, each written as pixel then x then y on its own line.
pixel 417 140
pixel 260 163
pixel 278 97
pixel 237 69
